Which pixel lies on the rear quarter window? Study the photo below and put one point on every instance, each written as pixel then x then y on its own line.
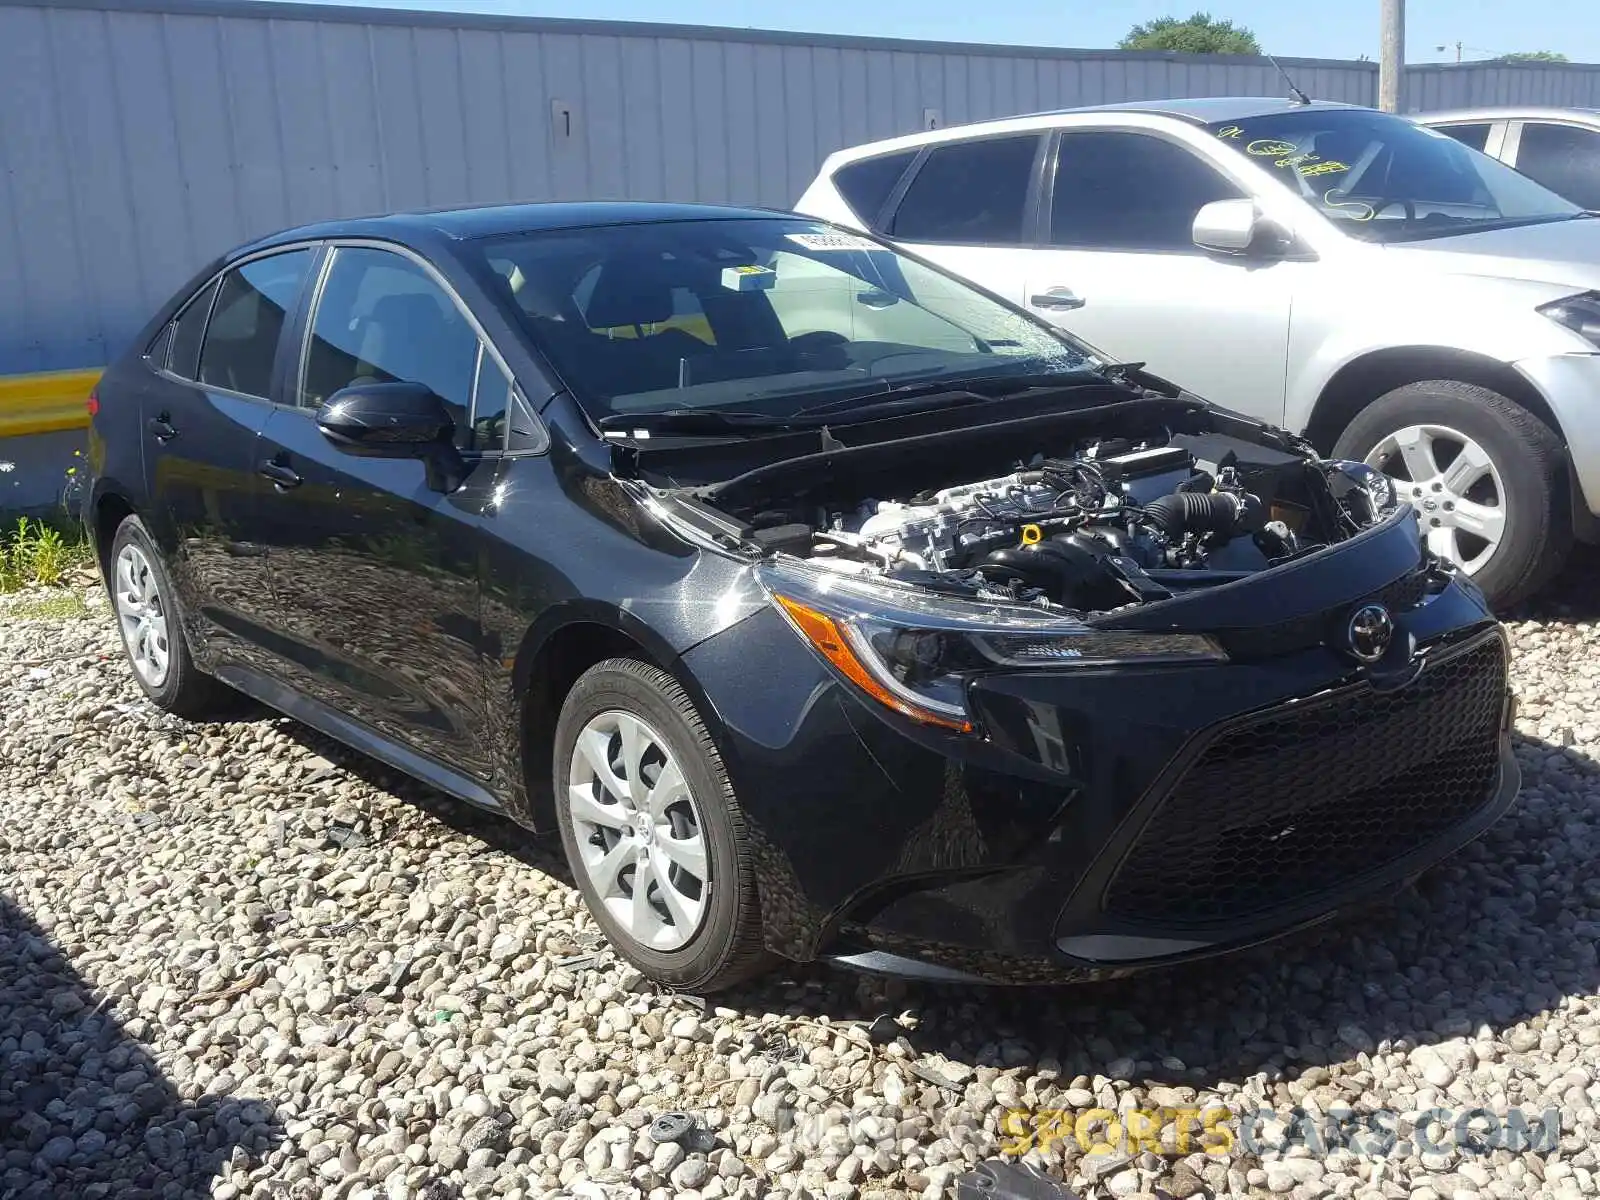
pixel 1473 133
pixel 187 333
pixel 866 185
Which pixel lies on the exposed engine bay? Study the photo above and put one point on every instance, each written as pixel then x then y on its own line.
pixel 1114 523
pixel 1087 525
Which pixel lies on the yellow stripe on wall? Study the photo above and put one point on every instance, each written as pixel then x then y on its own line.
pixel 44 402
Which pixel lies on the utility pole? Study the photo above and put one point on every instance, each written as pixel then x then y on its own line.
pixel 1392 54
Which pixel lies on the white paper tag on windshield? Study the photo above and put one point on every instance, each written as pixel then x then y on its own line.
pixel 833 241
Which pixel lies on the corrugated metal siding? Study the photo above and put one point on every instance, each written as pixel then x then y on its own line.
pixel 141 137
pixel 1471 85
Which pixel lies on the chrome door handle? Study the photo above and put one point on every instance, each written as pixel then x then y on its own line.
pixel 282 477
pixel 1056 299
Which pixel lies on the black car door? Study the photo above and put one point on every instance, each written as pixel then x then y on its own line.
pixel 202 411
pixel 374 566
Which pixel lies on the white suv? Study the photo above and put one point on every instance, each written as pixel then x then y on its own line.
pixel 1395 295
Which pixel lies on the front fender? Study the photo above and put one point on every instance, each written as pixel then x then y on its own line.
pixel 1336 327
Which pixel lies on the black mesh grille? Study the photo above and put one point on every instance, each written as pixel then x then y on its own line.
pixel 1309 796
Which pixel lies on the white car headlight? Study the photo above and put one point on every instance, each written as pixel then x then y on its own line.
pixel 1580 313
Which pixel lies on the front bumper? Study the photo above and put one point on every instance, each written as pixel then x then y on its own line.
pixel 1260 824
pixel 1110 819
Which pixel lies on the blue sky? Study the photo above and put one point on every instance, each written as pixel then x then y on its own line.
pixel 1487 27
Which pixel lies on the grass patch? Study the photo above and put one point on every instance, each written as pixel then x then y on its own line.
pixel 34 552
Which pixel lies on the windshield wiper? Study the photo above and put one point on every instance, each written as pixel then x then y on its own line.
pixel 691 420
pixel 941 396
pixel 944 393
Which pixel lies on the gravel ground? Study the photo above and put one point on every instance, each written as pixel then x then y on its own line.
pixel 238 960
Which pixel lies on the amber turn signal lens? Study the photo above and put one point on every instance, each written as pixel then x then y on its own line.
pixel 823 632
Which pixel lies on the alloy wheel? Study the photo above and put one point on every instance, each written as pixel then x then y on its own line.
pixel 1453 484
pixel 638 829
pixel 143 616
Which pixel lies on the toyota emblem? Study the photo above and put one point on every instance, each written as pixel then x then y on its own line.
pixel 1369 633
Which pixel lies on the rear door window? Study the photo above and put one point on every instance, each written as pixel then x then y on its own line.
pixel 1565 158
pixel 252 307
pixel 970 193
pixel 867 184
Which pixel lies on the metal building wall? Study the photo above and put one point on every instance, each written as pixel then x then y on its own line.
pixel 1467 85
pixel 141 137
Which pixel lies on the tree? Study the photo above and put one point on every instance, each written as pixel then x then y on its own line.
pixel 1533 56
pixel 1200 34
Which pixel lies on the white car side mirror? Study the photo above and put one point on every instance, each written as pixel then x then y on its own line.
pixel 1227 226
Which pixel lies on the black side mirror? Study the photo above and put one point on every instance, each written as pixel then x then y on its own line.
pixel 395 420
pixel 386 420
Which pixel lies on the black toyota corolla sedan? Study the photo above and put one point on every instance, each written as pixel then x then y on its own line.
pixel 826 605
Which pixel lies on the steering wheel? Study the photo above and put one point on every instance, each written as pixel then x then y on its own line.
pixel 817 340
pixel 825 346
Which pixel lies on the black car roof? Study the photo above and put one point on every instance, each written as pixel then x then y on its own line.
pixel 463 224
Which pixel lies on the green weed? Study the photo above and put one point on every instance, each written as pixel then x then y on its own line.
pixel 36 552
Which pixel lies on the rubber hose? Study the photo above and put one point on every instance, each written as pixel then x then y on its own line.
pixel 1195 512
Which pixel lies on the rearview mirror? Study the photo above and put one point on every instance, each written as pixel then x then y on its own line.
pixel 1237 227
pixel 386 420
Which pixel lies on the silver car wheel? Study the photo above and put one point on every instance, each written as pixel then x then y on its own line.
pixel 638 830
pixel 143 616
pixel 1453 484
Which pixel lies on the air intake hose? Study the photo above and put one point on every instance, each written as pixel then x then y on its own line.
pixel 1204 512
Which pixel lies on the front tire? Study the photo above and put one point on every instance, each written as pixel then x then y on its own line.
pixel 652 830
pixel 1488 480
pixel 151 625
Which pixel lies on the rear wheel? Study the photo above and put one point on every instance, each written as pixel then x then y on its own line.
pixel 1487 478
pixel 652 829
pixel 149 621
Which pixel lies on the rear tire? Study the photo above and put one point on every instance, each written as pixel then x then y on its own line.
pixel 151 625
pixel 625 817
pixel 1488 478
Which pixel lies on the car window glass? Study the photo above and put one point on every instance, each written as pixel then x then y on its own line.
pixel 971 193
pixel 157 353
pixel 1130 191
pixel 490 399
pixel 1475 134
pixel 754 314
pixel 1564 158
pixel 865 185
pixel 382 318
pixel 1383 178
pixel 184 356
pixel 247 320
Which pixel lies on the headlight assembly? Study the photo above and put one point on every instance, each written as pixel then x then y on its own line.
pixel 1373 496
pixel 913 651
pixel 1580 313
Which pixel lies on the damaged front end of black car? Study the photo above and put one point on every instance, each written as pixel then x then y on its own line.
pixel 1082 687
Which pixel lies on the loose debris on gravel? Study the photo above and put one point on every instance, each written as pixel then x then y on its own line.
pixel 239 960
